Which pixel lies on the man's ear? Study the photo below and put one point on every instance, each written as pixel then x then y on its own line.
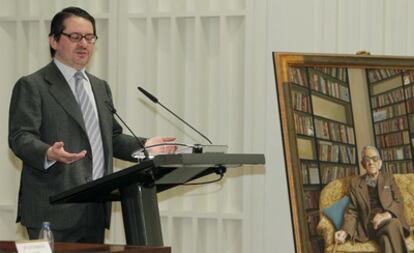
pixel 52 41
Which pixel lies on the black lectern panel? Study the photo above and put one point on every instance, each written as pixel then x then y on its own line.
pixel 136 188
pixel 103 188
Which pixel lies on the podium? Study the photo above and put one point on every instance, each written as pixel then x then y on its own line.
pixel 137 187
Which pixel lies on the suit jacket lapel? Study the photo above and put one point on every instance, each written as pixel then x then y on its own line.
pixel 364 192
pixel 380 186
pixel 60 89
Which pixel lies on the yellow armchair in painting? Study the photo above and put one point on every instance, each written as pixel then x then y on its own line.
pixel 337 189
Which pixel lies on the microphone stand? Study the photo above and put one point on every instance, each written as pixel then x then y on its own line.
pixel 113 111
pixel 155 100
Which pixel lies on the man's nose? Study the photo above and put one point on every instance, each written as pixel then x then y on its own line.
pixel 83 41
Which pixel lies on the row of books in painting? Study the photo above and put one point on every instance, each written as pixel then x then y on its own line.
pixel 375 75
pixel 393 96
pixel 311 199
pixel 410 106
pixel 303 124
pixel 398 167
pixel 393 139
pixel 310 173
pixel 408 77
pixel 334 131
pixel 330 173
pixel 396 153
pixel 300 101
pixel 338 73
pixel 392 125
pixel 332 152
pixel 298 76
pixel 409 92
pixel 329 87
pixel 389 112
pixel 388 98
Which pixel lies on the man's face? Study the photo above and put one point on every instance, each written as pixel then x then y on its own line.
pixel 74 54
pixel 371 162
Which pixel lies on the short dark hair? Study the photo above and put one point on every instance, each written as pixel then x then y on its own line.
pixel 57 26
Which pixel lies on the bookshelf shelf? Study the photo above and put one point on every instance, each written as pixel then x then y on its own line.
pixel 376 76
pixel 397 160
pixel 390 118
pixel 340 76
pixel 299 87
pixel 326 163
pixel 329 96
pixel 313 187
pixel 331 120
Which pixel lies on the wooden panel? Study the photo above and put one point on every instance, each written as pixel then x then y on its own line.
pixel 9 247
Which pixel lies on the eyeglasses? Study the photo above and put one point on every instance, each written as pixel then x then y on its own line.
pixel 371 158
pixel 77 37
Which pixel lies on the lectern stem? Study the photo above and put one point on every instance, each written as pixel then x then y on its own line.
pixel 141 215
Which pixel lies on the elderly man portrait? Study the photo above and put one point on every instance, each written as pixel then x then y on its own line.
pixel 376 208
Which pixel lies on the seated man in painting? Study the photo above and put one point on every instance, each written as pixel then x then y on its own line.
pixel 375 210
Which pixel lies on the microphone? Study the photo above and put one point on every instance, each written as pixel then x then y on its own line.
pixel 155 100
pixel 113 111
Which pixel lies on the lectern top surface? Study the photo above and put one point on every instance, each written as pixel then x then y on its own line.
pixel 186 165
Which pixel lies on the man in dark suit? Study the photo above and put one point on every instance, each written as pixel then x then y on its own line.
pixel 376 208
pixel 64 138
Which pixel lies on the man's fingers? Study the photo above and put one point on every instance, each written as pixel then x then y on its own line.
pixel 162 148
pixel 171 149
pixel 77 156
pixel 58 145
pixel 168 138
pixel 68 158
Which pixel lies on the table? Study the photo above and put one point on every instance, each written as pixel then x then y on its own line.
pixel 63 247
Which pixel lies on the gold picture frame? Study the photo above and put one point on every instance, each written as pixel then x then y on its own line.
pixel 310 147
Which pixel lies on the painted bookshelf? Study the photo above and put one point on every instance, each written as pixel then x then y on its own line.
pixel 392 105
pixel 324 127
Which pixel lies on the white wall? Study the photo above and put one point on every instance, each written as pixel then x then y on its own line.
pixel 383 27
pixel 210 60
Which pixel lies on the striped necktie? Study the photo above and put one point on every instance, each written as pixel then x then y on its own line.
pixel 93 130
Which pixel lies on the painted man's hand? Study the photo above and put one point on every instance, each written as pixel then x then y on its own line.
pixel 380 218
pixel 340 236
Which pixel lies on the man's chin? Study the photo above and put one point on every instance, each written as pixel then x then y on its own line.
pixel 372 174
pixel 82 62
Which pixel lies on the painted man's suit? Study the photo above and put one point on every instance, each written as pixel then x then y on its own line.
pixel 357 216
